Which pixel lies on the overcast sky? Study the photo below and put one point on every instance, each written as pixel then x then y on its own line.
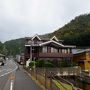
pixel 21 18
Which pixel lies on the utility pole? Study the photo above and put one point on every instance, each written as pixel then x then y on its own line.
pixel 31 49
pixel 31 52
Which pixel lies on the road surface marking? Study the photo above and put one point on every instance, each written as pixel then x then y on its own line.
pixel 11 84
pixel 3 70
pixel 12 78
pixel 10 71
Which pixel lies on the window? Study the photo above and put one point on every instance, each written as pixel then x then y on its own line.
pixel 63 50
pixel 54 50
pixel 68 50
pixel 44 49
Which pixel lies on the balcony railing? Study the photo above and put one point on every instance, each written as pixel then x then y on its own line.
pixel 55 55
pixel 50 55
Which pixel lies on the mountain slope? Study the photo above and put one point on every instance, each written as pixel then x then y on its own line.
pixel 1 47
pixel 77 32
pixel 14 46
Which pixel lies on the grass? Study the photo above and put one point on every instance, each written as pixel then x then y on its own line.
pixel 56 84
pixel 41 79
pixel 62 86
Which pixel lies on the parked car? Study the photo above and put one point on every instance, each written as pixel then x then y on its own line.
pixel 1 63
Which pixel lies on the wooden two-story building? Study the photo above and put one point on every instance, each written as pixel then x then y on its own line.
pixel 38 47
pixel 82 58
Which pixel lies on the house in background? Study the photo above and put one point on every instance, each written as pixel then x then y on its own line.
pixel 20 58
pixel 43 48
pixel 83 59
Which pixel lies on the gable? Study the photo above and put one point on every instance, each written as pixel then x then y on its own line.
pixel 54 38
pixel 36 37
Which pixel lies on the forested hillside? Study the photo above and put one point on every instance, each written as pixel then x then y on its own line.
pixel 77 32
pixel 1 47
pixel 14 47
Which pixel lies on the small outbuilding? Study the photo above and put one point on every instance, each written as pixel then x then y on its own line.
pixel 82 58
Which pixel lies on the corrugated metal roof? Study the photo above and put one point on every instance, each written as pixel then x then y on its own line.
pixel 82 51
pixel 1 54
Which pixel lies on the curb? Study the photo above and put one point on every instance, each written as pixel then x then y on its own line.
pixel 38 83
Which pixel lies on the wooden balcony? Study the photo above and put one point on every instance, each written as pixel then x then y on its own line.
pixel 50 55
pixel 55 55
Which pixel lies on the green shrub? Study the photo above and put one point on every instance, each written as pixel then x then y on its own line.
pixel 31 64
pixel 42 63
pixel 48 64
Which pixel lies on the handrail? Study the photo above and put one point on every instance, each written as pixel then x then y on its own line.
pixel 65 81
pixel 60 84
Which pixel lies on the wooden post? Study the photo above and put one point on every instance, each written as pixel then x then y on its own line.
pixel 45 80
pixel 50 80
pixel 31 71
pixel 36 73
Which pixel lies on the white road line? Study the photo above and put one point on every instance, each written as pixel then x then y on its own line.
pixel 10 71
pixel 11 84
pixel 3 70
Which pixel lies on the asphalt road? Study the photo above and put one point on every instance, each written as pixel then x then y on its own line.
pixel 5 74
pixel 24 82
pixel 12 79
pixel 9 67
pixel 3 82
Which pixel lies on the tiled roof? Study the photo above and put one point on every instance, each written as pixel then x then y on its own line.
pixel 48 40
pixel 43 37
